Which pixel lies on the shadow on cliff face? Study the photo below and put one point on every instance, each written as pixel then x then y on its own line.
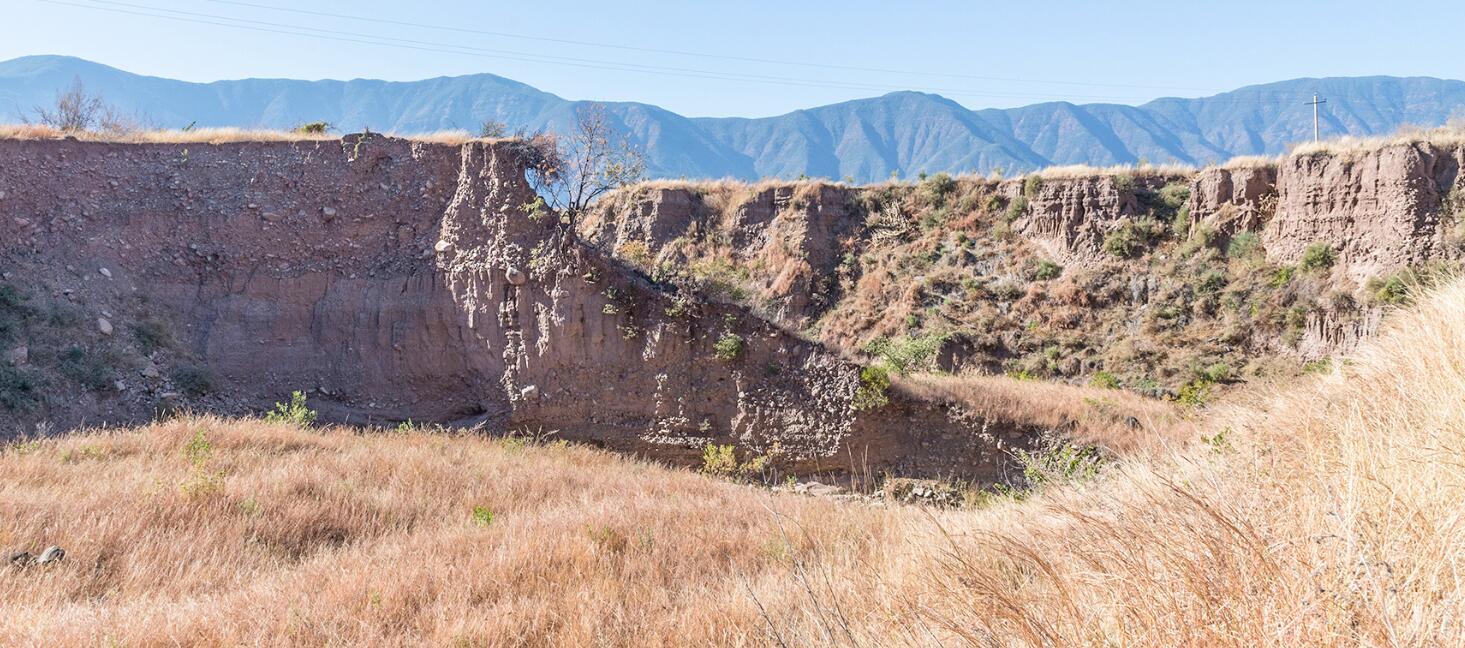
pixel 393 279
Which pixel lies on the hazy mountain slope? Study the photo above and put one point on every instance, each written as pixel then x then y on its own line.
pixel 866 139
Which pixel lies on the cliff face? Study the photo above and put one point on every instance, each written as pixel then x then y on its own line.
pixel 1382 210
pixel 1164 279
pixel 1069 218
pixel 1233 200
pixel 395 280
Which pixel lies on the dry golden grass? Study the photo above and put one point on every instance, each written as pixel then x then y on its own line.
pixel 1091 415
pixel 1449 135
pixel 333 538
pixel 1250 162
pixel 1140 171
pixel 209 135
pixel 1325 514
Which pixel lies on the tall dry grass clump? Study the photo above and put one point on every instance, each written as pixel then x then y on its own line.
pixel 1329 515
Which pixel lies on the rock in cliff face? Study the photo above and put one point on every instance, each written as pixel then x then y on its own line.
pixel 1069 217
pixel 1231 200
pixel 393 279
pixel 796 234
pixel 1380 209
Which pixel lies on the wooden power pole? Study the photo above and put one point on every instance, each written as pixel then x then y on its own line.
pixel 1315 103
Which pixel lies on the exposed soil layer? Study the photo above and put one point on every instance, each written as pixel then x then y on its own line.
pixel 393 280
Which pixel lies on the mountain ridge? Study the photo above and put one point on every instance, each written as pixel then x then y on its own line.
pixel 900 133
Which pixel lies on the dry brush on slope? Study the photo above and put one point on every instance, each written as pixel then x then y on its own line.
pixel 1322 514
pixel 1162 280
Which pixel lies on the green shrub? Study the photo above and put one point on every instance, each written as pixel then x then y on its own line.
pixel 1048 270
pixel 908 354
pixel 874 381
pixel 18 390
pixel 1195 393
pixel 1211 282
pixel 993 204
pixel 1180 224
pixel 722 461
pixel 1243 245
pixel 1281 276
pixel 1104 380
pixel 150 336
pixel 1391 291
pixel 14 310
pixel 193 380
pixel 482 515
pixel 202 481
pixel 1175 195
pixel 936 188
pixel 88 368
pixel 728 347
pixel 1030 186
pixel 1021 375
pixel 1318 256
pixel 1058 462
pixel 535 210
pixel 1016 209
pixel 1319 366
pixel 1131 239
pixel 1218 372
pixel 313 128
pixel 295 412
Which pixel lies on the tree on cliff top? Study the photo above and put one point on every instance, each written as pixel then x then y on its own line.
pixel 572 171
pixel 75 110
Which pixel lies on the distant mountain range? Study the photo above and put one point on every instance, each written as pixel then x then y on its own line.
pixel 866 139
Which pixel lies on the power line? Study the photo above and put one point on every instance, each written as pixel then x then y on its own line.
pixel 432 46
pixel 745 59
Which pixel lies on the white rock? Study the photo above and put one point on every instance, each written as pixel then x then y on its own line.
pixel 105 273
pixel 529 392
pixel 104 326
pixel 52 554
pixel 442 246
pixel 151 371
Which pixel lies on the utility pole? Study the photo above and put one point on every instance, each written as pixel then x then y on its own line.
pixel 1315 103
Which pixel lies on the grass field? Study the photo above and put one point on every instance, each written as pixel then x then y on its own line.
pixel 1324 513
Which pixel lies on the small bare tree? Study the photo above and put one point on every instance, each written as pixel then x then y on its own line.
pixel 572 171
pixel 493 129
pixel 76 111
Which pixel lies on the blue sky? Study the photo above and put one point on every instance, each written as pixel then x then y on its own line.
pixel 981 54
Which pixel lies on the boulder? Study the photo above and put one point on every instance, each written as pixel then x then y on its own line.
pixel 52 554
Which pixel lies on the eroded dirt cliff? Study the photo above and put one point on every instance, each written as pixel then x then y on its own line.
pixel 393 280
pixel 1165 282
